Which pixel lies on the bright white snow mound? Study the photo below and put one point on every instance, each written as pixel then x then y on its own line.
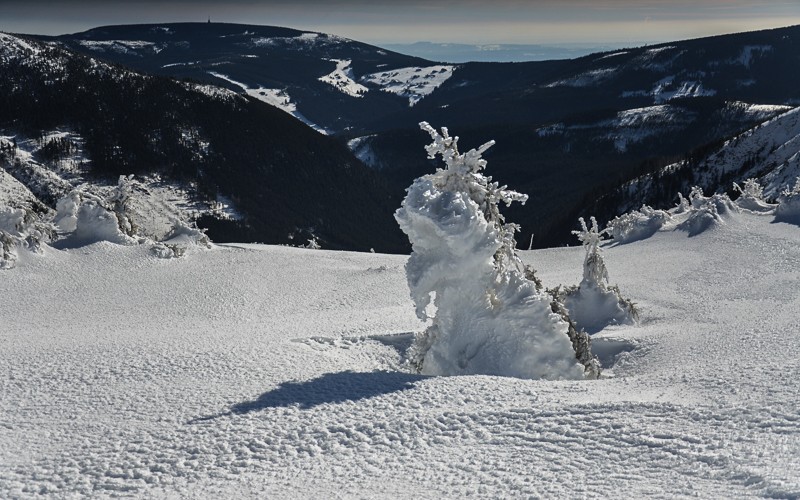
pixel 488 318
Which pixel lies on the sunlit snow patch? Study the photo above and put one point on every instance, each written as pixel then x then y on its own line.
pixel 342 79
pixel 413 83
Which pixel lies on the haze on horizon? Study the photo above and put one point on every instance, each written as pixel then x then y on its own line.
pixel 446 21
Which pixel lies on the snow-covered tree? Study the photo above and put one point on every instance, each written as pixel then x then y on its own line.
pixel 466 278
pixel 22 229
pixel 594 304
pixel 751 197
pixel 179 239
pixel 788 209
pixel 119 202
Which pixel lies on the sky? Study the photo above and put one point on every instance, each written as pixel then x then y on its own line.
pixel 388 21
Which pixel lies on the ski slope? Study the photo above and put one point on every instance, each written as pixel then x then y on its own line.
pixel 276 372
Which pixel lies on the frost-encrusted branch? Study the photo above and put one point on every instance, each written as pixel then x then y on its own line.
pixel 463 173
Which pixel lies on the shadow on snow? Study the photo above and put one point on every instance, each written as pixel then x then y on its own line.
pixel 329 388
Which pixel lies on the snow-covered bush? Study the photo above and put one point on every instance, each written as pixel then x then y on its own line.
pixel 594 304
pixel 706 212
pixel 683 205
pixel 119 202
pixel 87 219
pixel 637 224
pixel 466 278
pixel 788 209
pixel 313 244
pixel 21 229
pixel 181 238
pixel 751 197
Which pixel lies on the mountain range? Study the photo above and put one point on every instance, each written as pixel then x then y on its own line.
pixel 570 133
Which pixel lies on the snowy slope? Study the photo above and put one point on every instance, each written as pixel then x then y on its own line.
pixel 25 182
pixel 262 371
pixel 412 83
pixel 769 152
pixel 342 79
pixel 274 97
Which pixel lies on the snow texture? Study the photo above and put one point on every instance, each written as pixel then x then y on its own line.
pixel 251 371
pixel 413 83
pixel 488 319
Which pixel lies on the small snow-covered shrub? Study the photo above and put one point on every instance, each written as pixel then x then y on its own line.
pixel 181 238
pixel 21 229
pixel 706 212
pixel 594 304
pixel 683 205
pixel 751 197
pixel 465 277
pixel 89 219
pixel 637 224
pixel 313 244
pixel 89 216
pixel 788 209
pixel 119 202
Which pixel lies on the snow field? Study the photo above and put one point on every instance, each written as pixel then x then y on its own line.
pixel 413 83
pixel 252 370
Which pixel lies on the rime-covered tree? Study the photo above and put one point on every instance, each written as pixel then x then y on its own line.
pixel 467 280
pixel 788 209
pixel 594 304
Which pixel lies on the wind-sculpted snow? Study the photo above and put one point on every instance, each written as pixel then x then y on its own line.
pixel 259 371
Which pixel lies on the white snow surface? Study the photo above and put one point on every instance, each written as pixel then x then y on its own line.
pixel 258 371
pixel 413 83
pixel 342 79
